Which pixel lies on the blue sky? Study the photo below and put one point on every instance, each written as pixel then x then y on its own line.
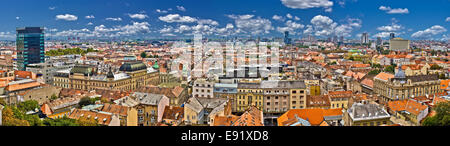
pixel 411 19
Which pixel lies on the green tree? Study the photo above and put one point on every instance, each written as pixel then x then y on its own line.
pixel 442 76
pixel 29 105
pixel 144 55
pixel 9 118
pixel 442 117
pixel 60 122
pixel 390 69
pixel 84 121
pixel 54 97
pixel 435 67
pixel 85 101
pixel 374 72
pixel 2 101
pixel 351 58
pixel 375 65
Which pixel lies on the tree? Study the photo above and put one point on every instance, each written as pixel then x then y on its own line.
pixel 442 76
pixel 84 101
pixel 374 72
pixel 29 105
pixel 375 65
pixel 2 101
pixel 144 55
pixel 442 117
pixel 332 63
pixel 84 121
pixel 54 97
pixel 351 58
pixel 9 118
pixel 390 69
pixel 385 52
pixel 64 121
pixel 435 67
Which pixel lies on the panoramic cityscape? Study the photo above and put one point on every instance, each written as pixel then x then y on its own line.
pixel 225 63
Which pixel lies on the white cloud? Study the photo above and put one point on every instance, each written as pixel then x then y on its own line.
pixel 248 24
pixel 447 20
pixel 51 8
pixel 7 35
pixel 171 18
pixel 114 19
pixel 429 32
pixel 90 23
pixel 103 31
pixel 138 16
pixel 67 17
pixel 90 17
pixel 17 18
pixel 306 4
pixel 166 29
pixel 135 28
pixel 242 17
pixel 328 9
pixel 278 18
pixel 289 16
pixel 390 10
pixel 325 26
pixel 208 21
pixel 161 11
pixel 390 28
pixel 296 18
pixel 181 8
pixel 291 27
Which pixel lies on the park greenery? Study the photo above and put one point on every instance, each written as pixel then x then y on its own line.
pixel 442 117
pixel 69 51
pixel 20 115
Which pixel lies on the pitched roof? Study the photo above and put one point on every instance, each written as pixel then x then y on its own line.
pixel 173 113
pixel 252 117
pixel 367 82
pixel 314 116
pixel 115 109
pixel 103 119
pixel 384 76
pixel 317 101
pixel 224 120
pixel 340 94
pixel 408 105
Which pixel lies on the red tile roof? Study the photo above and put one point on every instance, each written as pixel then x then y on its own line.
pixel 314 116
pixel 384 76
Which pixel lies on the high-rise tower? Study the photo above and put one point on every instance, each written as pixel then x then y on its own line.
pixel 30 46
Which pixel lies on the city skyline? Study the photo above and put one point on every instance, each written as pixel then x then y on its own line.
pixel 174 18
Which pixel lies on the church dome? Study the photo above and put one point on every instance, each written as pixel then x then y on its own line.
pixel 400 73
pixel 132 66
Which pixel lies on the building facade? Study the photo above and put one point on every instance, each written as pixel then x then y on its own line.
pixel 399 86
pixel 30 46
pixel 366 115
pixel 399 44
pixel 133 75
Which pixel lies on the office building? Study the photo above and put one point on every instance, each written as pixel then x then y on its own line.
pixel 379 41
pixel 399 44
pixel 391 36
pixel 365 38
pixel 287 40
pixel 30 46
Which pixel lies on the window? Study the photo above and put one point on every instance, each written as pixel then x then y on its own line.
pixel 294 91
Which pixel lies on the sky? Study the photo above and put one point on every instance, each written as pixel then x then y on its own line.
pixel 409 19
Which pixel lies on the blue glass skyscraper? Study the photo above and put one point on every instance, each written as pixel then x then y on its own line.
pixel 30 46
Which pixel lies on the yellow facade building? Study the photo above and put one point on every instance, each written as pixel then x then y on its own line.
pixel 133 75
